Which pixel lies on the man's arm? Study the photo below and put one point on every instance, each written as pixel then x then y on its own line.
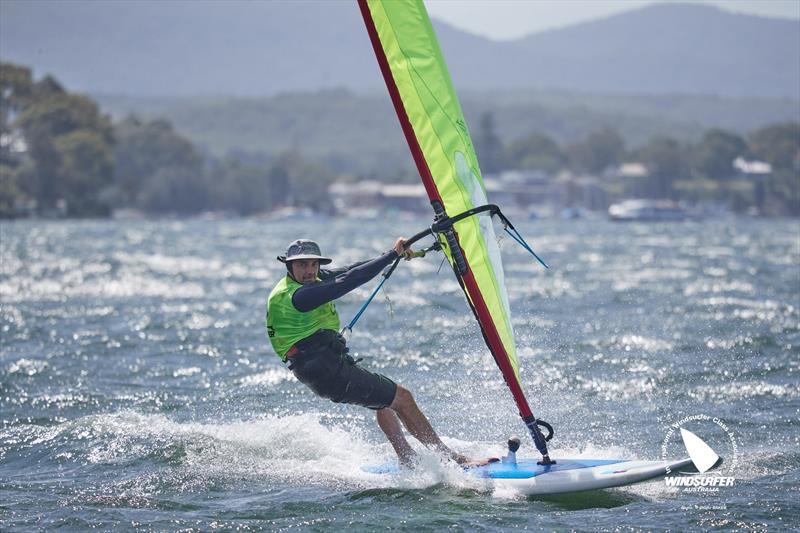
pixel 328 273
pixel 313 295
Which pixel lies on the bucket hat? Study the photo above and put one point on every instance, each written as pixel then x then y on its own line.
pixel 303 249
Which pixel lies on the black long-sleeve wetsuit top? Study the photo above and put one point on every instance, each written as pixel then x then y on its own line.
pixel 335 283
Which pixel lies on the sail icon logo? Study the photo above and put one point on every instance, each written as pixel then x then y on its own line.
pixel 700 453
pixel 710 474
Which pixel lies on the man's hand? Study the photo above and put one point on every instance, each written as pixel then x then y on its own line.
pixel 401 250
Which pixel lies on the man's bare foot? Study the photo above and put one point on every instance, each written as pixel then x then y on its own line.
pixel 408 461
pixel 460 458
pixel 466 462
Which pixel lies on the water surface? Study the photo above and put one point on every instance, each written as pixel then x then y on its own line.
pixel 138 390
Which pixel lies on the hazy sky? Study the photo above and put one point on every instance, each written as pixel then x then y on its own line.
pixel 508 19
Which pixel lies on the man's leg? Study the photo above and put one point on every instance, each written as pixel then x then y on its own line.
pixel 379 389
pixel 390 425
pixel 417 423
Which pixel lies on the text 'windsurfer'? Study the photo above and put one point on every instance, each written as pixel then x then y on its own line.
pixel 303 327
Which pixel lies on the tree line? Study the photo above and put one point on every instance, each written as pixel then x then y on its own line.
pixel 675 170
pixel 59 155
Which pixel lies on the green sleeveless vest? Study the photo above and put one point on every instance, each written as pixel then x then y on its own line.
pixel 286 325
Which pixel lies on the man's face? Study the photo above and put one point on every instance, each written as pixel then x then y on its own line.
pixel 305 270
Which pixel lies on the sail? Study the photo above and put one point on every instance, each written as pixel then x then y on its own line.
pixel 429 112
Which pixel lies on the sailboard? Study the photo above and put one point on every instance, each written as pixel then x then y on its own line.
pixel 565 475
pixel 433 123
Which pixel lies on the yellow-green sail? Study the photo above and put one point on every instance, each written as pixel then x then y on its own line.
pixel 430 115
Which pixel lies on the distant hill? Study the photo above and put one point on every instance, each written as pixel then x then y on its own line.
pixel 675 48
pixel 180 47
pixel 263 48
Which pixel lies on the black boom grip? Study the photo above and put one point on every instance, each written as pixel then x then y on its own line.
pixel 455 252
pixel 443 221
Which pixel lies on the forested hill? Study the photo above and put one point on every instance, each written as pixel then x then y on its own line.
pixel 359 132
pixel 263 48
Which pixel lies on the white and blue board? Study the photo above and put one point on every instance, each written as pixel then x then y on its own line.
pixel 566 475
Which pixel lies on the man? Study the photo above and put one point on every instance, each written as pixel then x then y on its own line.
pixel 303 327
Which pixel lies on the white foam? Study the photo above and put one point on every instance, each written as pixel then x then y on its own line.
pixel 269 378
pixel 27 367
pixel 292 449
pixel 186 372
pixel 297 449
pixel 743 390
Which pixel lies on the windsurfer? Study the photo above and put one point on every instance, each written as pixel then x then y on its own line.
pixel 303 328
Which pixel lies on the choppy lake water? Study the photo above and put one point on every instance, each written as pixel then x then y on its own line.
pixel 138 389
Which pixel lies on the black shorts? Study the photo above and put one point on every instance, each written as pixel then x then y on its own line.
pixel 324 365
